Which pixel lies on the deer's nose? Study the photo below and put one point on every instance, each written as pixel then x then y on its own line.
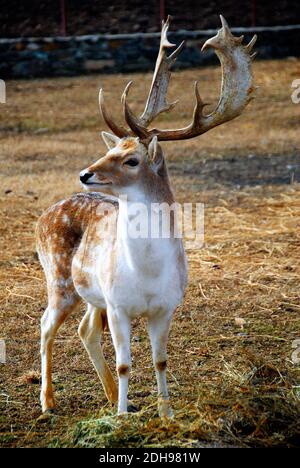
pixel 85 176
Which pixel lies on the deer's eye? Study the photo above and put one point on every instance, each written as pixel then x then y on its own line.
pixel 132 162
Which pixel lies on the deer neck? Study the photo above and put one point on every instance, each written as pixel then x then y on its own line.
pixel 151 189
pixel 137 213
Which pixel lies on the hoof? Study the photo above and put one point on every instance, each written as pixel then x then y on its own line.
pixel 167 417
pixel 46 416
pixel 165 410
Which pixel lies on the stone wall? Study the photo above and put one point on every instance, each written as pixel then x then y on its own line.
pixel 75 55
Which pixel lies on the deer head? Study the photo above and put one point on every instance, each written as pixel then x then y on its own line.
pixel 129 164
pixel 134 154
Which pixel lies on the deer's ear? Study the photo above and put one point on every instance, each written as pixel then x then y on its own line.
pixel 110 140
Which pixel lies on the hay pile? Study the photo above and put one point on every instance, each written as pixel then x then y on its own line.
pixel 253 405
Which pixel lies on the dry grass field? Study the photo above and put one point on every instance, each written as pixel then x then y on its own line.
pixel 231 374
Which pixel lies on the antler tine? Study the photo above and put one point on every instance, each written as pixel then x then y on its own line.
pixel 198 109
pixel 236 91
pixel 130 118
pixel 228 36
pixel 118 130
pixel 156 101
pixel 225 27
pixel 250 46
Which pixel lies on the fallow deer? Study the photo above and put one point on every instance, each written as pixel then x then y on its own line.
pixel 119 277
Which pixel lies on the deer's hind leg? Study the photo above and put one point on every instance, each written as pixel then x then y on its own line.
pixel 90 331
pixel 62 301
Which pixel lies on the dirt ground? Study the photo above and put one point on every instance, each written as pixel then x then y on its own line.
pixel 232 381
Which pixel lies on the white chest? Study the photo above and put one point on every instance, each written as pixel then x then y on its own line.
pixel 149 276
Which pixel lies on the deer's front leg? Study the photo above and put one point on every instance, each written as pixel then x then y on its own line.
pixel 120 328
pixel 158 329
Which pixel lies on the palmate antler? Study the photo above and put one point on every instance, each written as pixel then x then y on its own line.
pixel 236 91
pixel 156 101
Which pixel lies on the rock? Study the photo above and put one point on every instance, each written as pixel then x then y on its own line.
pixel 240 322
pixel 98 65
